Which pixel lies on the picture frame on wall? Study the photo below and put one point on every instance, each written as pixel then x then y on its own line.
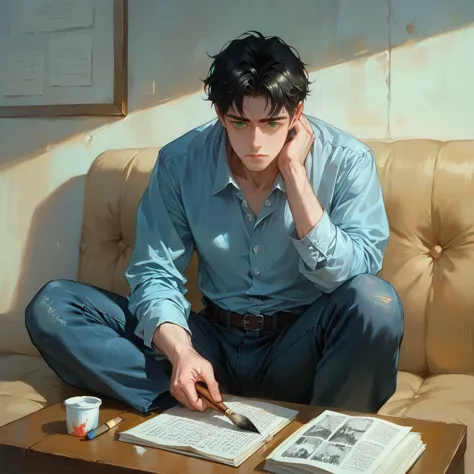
pixel 63 58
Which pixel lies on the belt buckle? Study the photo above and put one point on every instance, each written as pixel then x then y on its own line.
pixel 260 321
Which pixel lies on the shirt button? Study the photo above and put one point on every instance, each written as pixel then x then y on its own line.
pixel 256 271
pixel 249 217
pixel 256 249
pixel 268 203
pixel 245 203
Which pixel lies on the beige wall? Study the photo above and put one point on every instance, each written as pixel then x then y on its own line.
pixel 379 72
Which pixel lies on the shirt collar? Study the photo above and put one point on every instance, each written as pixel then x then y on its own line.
pixel 279 183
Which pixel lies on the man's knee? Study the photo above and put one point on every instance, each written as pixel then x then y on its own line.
pixel 43 315
pixel 378 304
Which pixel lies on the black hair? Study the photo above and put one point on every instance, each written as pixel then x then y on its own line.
pixel 257 65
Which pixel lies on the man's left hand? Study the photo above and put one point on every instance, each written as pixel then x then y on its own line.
pixel 296 150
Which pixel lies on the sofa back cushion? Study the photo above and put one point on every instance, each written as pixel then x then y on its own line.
pixel 428 189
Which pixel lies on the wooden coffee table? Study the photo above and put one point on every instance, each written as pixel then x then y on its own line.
pixel 39 444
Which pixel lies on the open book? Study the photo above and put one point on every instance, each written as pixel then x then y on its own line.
pixel 343 444
pixel 209 434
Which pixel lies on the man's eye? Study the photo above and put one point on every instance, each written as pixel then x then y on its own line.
pixel 239 124
pixel 273 124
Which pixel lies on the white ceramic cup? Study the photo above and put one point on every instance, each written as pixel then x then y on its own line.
pixel 82 414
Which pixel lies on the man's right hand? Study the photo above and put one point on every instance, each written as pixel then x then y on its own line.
pixel 188 367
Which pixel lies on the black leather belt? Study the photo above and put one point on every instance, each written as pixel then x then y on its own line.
pixel 250 322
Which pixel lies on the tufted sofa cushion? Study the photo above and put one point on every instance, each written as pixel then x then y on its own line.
pixel 429 196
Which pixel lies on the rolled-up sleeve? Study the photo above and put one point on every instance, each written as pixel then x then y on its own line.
pixel 351 237
pixel 162 251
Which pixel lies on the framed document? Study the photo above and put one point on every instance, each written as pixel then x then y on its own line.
pixel 63 58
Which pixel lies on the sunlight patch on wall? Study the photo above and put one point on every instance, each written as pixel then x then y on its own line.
pixel 432 93
pixel 352 96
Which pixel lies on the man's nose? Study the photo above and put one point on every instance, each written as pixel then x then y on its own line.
pixel 257 139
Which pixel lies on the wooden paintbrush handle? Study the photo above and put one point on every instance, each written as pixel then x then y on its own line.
pixel 204 392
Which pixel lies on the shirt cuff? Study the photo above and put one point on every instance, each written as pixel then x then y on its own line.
pixel 313 247
pixel 165 311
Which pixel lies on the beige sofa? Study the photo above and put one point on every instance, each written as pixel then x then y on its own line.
pixel 429 196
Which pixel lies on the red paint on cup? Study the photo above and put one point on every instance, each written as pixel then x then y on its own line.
pixel 79 430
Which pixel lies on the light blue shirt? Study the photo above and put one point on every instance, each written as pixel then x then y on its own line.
pixel 246 264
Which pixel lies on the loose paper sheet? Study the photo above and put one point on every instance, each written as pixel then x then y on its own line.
pixel 53 15
pixel 70 60
pixel 23 72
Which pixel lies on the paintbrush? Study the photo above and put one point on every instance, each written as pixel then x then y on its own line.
pixel 238 420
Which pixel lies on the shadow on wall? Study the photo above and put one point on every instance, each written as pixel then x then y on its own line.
pixel 48 250
pixel 329 32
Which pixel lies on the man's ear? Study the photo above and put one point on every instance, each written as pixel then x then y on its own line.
pixel 297 115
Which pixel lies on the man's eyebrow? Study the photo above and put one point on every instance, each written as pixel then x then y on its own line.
pixel 265 120
pixel 236 117
pixel 273 119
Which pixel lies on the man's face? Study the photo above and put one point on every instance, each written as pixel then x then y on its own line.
pixel 257 138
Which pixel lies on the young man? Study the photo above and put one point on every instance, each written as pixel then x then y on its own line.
pixel 286 215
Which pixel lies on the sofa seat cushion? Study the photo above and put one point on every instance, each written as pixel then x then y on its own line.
pixel 27 385
pixel 446 398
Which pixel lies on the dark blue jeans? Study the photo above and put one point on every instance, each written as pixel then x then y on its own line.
pixel 342 352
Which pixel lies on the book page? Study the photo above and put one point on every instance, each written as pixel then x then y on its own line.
pixel 266 417
pixel 341 444
pixel 209 432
